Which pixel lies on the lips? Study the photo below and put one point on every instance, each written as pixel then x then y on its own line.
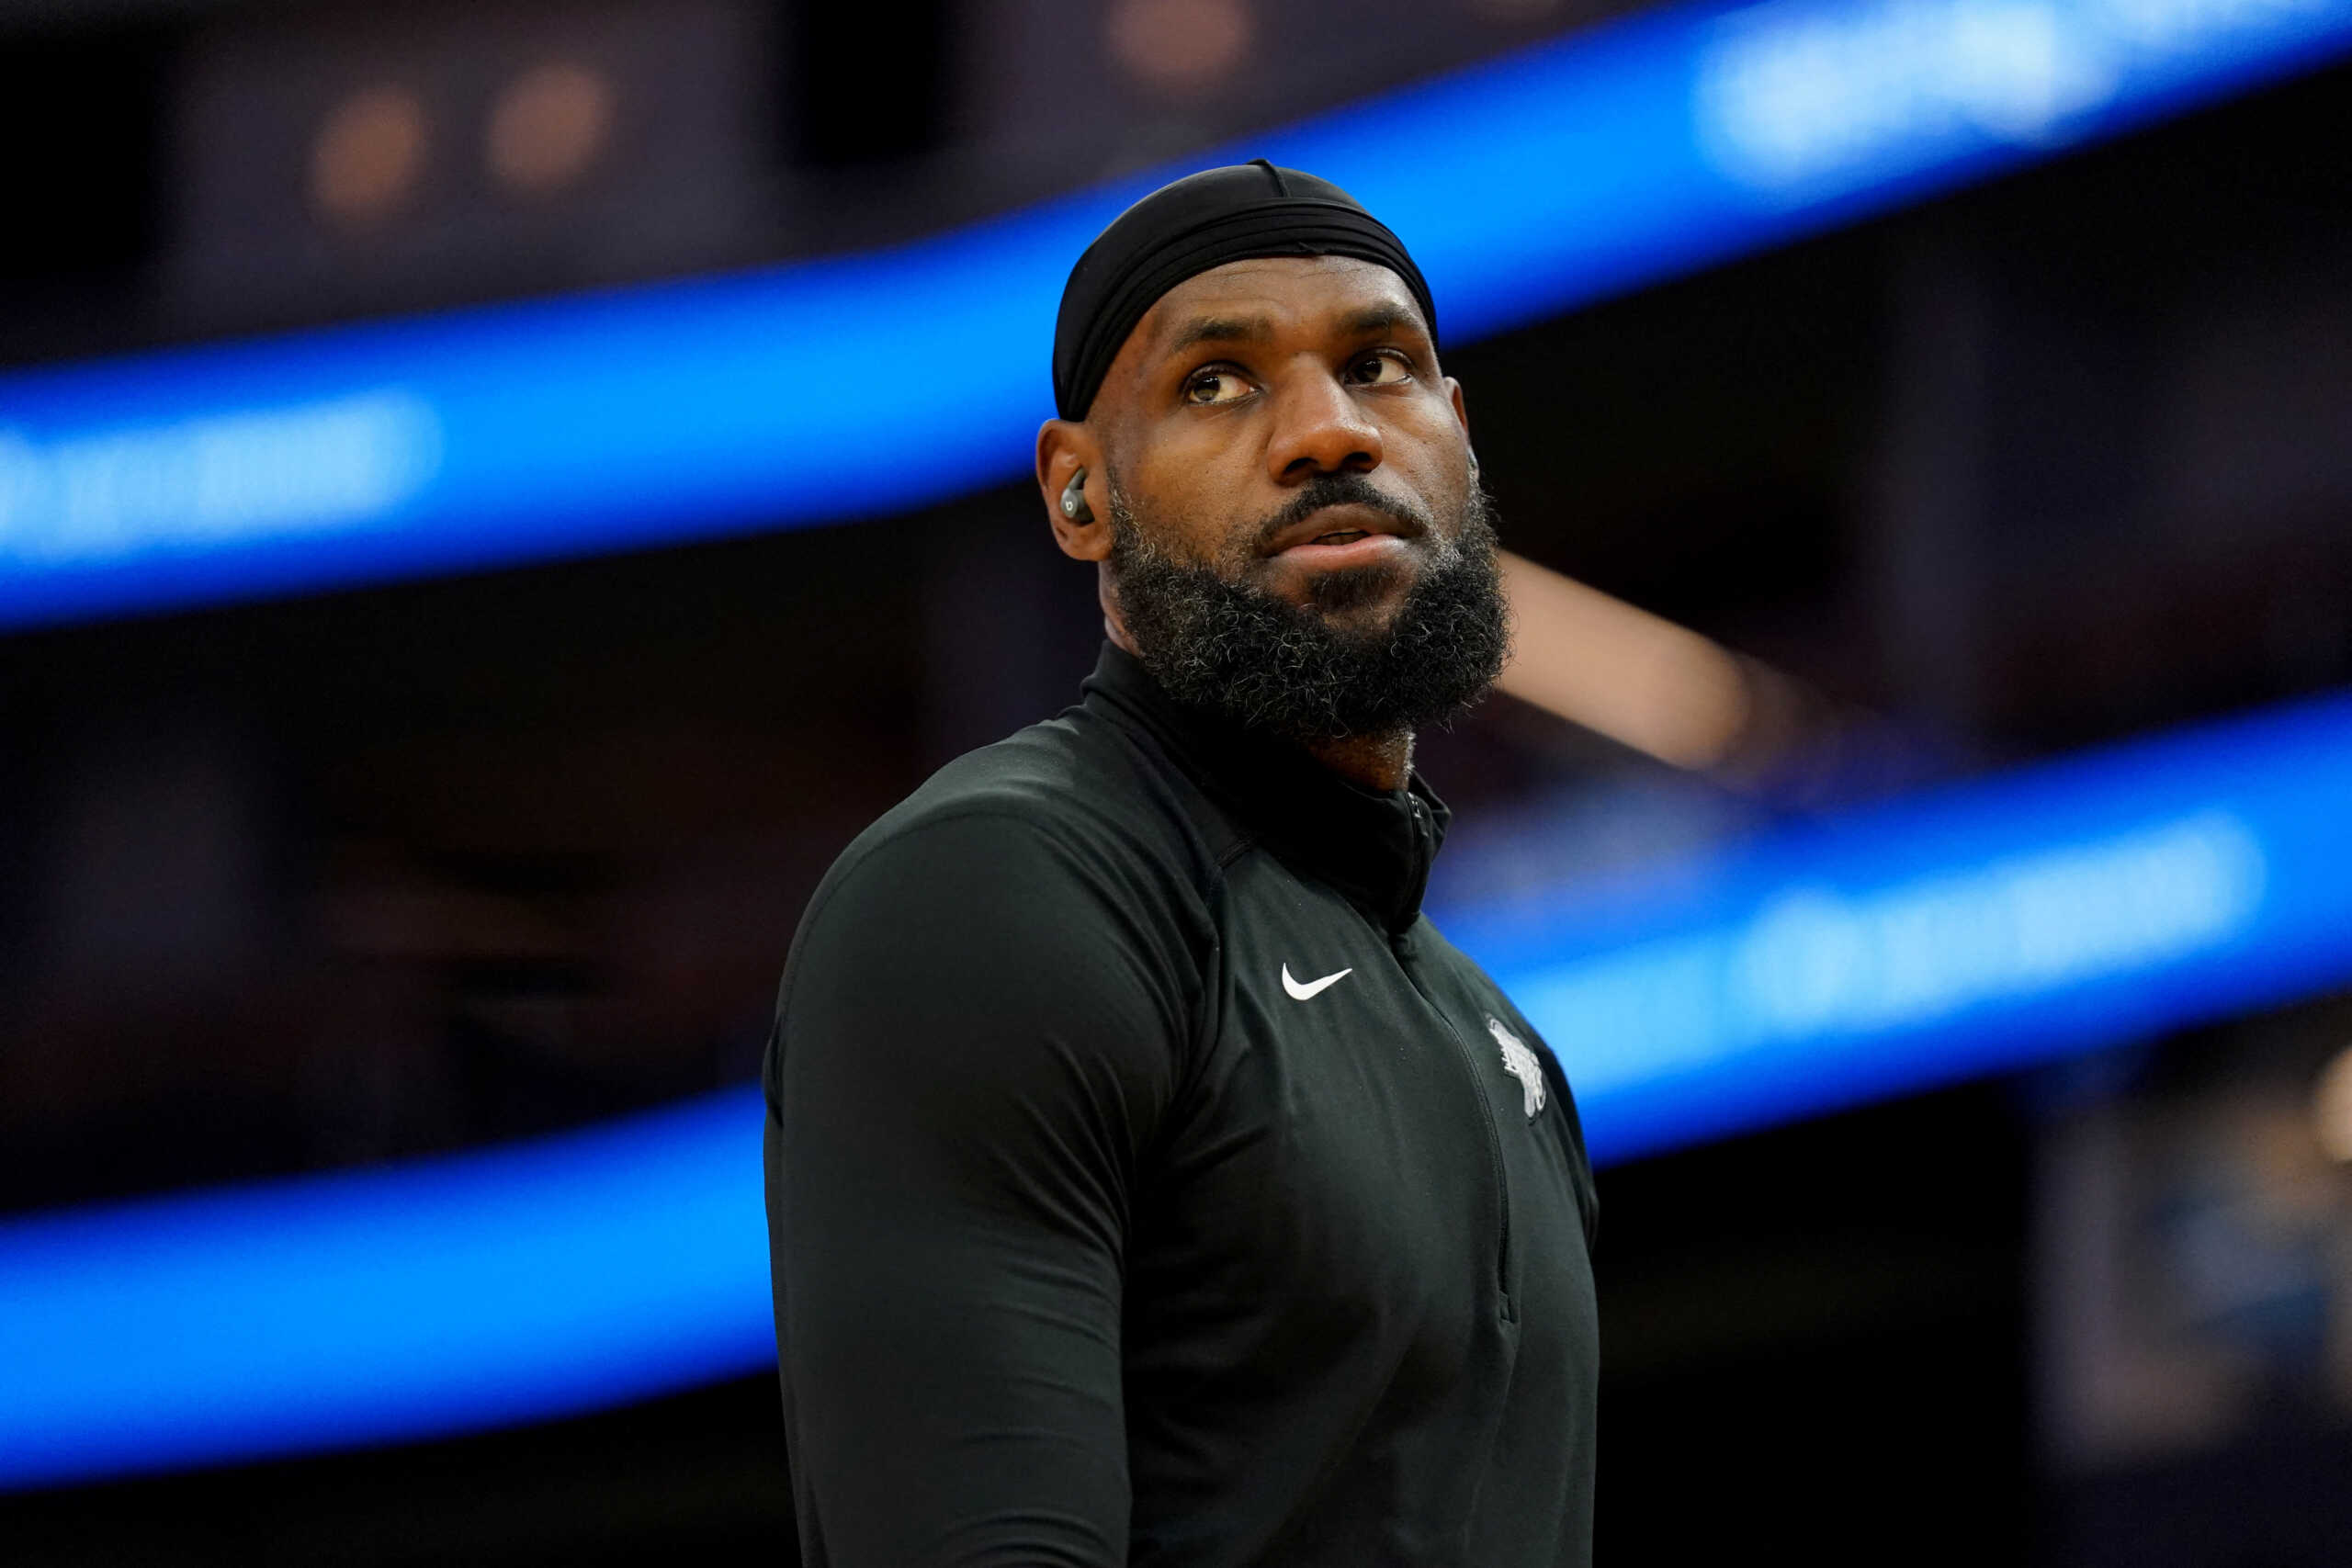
pixel 1337 527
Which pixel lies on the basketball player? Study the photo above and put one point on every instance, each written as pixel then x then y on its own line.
pixel 1148 1181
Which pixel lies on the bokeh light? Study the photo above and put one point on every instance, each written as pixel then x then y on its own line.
pixel 549 127
pixel 369 156
pixel 1180 46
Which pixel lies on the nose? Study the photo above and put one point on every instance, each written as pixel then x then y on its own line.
pixel 1319 428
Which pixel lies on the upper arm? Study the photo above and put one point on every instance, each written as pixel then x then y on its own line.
pixel 978 1031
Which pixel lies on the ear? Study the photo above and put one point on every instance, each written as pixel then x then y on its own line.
pixel 1064 447
pixel 1461 418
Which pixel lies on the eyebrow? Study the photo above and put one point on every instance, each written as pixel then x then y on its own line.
pixel 1370 321
pixel 1221 329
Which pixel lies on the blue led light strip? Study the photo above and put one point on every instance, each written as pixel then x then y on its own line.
pixel 885 381
pixel 437 1296
pixel 2049 911
pixel 2102 899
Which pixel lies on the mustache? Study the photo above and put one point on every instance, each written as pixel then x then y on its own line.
pixel 1344 490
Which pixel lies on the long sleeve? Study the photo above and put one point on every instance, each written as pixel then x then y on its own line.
pixel 978 1031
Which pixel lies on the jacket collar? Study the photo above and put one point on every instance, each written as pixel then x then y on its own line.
pixel 1374 847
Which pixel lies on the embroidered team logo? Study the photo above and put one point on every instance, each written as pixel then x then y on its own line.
pixel 1519 1063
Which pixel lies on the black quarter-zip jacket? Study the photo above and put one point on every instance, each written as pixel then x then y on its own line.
pixel 1150 1182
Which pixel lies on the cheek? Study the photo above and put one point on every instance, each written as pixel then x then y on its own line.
pixel 1437 464
pixel 1197 492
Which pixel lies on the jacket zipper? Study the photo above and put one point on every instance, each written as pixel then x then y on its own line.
pixel 1486 1108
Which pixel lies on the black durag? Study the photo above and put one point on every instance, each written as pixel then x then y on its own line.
pixel 1204 220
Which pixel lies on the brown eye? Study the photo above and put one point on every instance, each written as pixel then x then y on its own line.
pixel 1210 386
pixel 1380 370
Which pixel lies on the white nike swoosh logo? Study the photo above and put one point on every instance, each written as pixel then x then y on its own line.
pixel 1299 993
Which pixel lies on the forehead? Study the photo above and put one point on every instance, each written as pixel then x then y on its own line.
pixel 1290 293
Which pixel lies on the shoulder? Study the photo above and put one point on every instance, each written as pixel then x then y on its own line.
pixel 1017 904
pixel 1070 808
pixel 1046 881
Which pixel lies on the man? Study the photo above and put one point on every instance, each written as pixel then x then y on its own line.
pixel 1147 1180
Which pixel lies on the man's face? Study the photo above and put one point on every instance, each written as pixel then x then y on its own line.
pixel 1244 386
pixel 1299 539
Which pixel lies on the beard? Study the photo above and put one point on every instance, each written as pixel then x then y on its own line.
pixel 1216 637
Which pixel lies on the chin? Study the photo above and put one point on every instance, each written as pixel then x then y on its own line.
pixel 1361 593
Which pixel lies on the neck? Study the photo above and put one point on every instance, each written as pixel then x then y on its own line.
pixel 1376 762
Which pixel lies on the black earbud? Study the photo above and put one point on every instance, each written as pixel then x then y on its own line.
pixel 1074 505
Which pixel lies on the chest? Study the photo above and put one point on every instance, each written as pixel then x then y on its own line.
pixel 1368 1144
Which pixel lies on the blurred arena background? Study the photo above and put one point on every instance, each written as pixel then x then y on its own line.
pixel 493 496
